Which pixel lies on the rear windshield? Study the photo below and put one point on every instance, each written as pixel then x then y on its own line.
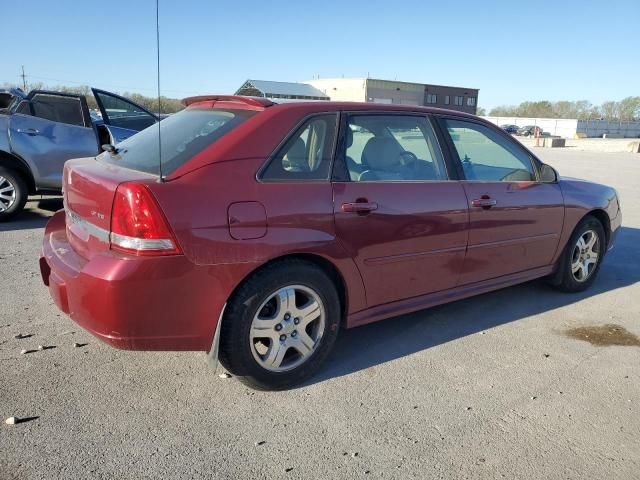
pixel 183 135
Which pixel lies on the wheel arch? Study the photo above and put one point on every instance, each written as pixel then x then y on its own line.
pixel 319 261
pixel 599 214
pixel 603 217
pixel 15 163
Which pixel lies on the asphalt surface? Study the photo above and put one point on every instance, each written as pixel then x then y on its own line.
pixel 489 387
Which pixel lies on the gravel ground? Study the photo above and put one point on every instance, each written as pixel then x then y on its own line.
pixel 489 387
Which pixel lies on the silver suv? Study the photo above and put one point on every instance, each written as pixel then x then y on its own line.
pixel 42 130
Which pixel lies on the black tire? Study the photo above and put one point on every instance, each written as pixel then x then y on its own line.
pixel 564 278
pixel 236 347
pixel 21 193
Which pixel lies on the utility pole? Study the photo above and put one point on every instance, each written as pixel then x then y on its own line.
pixel 24 80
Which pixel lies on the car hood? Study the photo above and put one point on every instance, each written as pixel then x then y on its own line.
pixel 592 193
pixel 581 181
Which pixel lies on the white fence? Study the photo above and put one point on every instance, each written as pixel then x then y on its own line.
pixel 561 127
pixel 597 128
pixel 568 127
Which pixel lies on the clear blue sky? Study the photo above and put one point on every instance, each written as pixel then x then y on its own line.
pixel 512 51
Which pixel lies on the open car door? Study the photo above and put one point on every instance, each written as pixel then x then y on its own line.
pixel 121 116
pixel 47 129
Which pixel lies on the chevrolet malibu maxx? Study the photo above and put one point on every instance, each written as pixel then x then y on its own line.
pixel 257 231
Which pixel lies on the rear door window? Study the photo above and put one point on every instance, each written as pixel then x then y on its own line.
pixel 392 148
pixel 182 135
pixel 58 108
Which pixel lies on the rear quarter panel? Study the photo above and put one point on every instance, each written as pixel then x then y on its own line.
pixel 299 218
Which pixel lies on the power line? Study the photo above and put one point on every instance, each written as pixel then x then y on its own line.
pixel 24 80
pixel 117 87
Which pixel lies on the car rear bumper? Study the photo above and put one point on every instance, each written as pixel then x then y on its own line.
pixel 132 303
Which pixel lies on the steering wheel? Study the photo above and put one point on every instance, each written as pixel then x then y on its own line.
pixel 407 158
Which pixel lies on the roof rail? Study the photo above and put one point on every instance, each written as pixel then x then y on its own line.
pixel 253 101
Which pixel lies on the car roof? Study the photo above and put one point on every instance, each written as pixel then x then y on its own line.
pixel 280 118
pixel 260 104
pixel 365 106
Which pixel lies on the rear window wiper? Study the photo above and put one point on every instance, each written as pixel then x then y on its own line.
pixel 107 147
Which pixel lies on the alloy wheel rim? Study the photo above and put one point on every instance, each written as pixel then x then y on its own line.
pixel 585 256
pixel 7 194
pixel 287 328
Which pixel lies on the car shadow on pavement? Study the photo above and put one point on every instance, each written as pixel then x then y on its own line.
pixel 35 215
pixel 377 343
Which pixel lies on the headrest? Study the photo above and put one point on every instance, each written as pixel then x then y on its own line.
pixel 381 153
pixel 349 137
pixel 297 156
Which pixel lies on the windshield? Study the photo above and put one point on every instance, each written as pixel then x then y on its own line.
pixel 183 135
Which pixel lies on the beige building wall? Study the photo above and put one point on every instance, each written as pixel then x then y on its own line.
pixel 388 91
pixel 342 89
pixel 395 92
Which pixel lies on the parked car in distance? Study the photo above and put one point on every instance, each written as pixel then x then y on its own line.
pixel 268 227
pixel 42 130
pixel 529 130
pixel 511 129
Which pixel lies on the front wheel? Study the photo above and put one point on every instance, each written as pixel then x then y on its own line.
pixel 581 259
pixel 280 325
pixel 13 194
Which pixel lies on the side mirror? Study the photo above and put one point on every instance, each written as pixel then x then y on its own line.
pixel 548 174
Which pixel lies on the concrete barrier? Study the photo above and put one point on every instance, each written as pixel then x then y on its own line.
pixel 634 147
pixel 553 142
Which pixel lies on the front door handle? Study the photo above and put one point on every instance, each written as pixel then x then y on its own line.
pixel 483 202
pixel 28 131
pixel 359 207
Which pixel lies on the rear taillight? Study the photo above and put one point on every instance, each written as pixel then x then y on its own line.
pixel 138 225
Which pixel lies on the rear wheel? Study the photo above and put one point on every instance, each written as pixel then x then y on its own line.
pixel 280 325
pixel 13 194
pixel 581 259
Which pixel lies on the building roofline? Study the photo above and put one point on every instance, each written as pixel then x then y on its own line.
pixel 276 87
pixel 392 81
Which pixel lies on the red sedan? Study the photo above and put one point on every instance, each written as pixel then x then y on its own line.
pixel 266 228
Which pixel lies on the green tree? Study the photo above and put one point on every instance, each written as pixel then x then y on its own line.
pixel 610 110
pixel 503 111
pixel 629 109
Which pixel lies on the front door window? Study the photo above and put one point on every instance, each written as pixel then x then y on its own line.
pixel 486 156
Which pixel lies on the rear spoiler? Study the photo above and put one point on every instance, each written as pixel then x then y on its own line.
pixel 251 101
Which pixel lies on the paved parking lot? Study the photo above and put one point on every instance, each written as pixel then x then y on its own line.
pixel 489 387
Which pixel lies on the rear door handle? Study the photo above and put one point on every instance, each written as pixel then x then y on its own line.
pixel 28 131
pixel 483 202
pixel 359 207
